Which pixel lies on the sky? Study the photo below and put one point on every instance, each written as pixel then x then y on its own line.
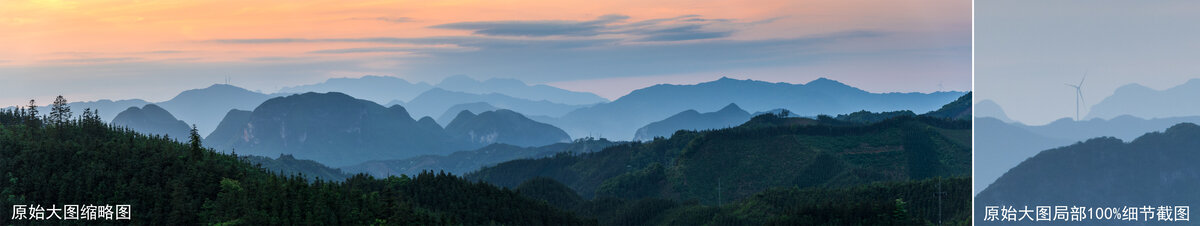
pixel 122 49
pixel 1026 51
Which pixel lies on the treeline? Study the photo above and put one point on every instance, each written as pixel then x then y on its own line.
pixel 716 166
pixel 934 201
pixel 56 159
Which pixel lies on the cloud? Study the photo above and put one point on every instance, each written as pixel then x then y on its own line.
pixel 460 41
pixel 540 28
pixel 679 28
pixel 681 33
pixel 388 50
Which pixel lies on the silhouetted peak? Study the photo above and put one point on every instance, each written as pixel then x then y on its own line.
pixel 1134 88
pixel 428 122
pixel 399 110
pixel 689 112
pixel 732 107
pixel 154 108
pixel 825 82
pixel 1183 128
pixel 463 115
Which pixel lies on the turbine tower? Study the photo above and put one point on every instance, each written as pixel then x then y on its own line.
pixel 1079 94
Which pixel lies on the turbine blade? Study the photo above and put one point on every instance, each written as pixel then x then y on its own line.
pixel 1080 94
pixel 1084 78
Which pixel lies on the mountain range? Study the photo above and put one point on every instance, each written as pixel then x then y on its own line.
pixel 767 151
pixel 339 130
pixel 1143 102
pixel 616 120
pixel 1158 168
pixel 205 107
pixel 1004 145
pixel 151 119
pixel 437 101
pixel 729 116
pixel 518 89
pixel 380 89
pixel 989 109
pixel 343 131
pixel 454 110
pixel 504 126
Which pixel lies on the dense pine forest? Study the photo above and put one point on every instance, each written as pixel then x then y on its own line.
pixel 58 159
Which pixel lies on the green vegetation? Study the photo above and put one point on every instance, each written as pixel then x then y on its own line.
pixel 919 202
pixel 60 160
pixel 768 151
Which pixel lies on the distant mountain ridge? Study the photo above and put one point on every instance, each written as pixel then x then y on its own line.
pixel 989 108
pixel 767 151
pixel 996 139
pixel 339 130
pixel 456 109
pixel 1143 102
pixel 729 116
pixel 518 89
pixel 205 107
pixel 504 126
pixel 1158 168
pixel 437 101
pixel 379 89
pixel 618 121
pixel 333 128
pixel 151 119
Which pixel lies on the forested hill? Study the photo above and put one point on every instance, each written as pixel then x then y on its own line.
pixel 770 150
pixel 59 160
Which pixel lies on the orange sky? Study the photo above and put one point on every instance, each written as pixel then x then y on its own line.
pixel 44 40
pixel 73 32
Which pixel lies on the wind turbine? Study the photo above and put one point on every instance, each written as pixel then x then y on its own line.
pixel 1078 94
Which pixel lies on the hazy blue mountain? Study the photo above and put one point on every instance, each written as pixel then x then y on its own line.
pixel 380 89
pixel 767 151
pixel 989 108
pixel 1122 127
pixel 436 101
pixel 205 107
pixel 473 107
pixel 518 89
pixel 1155 169
pixel 504 126
pixel 621 118
pixel 229 130
pixel 289 165
pixel 1000 146
pixel 152 119
pixel 335 129
pixel 959 109
pixel 729 116
pixel 1004 145
pixel 1143 102
pixel 462 162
